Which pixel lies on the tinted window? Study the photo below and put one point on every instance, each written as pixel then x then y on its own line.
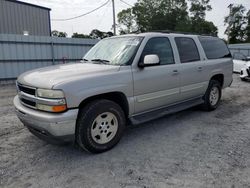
pixel 214 48
pixel 160 46
pixel 187 49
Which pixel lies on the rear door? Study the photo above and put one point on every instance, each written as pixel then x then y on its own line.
pixel 193 82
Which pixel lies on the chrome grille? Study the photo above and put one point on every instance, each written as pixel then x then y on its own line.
pixel 28 90
pixel 26 95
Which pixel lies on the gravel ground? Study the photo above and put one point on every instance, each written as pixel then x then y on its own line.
pixel 188 149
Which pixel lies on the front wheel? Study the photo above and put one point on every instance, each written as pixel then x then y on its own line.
pixel 212 96
pixel 100 126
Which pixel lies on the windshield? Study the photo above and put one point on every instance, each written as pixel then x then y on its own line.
pixel 114 51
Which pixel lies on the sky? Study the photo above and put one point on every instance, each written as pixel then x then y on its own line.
pixel 102 18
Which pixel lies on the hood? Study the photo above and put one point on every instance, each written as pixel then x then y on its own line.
pixel 50 76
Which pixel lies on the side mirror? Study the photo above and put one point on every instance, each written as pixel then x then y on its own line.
pixel 150 60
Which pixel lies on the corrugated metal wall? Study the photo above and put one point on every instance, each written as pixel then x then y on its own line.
pixel 20 53
pixel 17 17
pixel 242 48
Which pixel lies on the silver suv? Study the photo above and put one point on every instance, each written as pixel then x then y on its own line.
pixel 123 80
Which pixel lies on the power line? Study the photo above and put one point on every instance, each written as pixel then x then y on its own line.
pixel 102 17
pixel 87 13
pixel 126 3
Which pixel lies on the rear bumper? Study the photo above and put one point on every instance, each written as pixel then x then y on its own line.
pixel 51 127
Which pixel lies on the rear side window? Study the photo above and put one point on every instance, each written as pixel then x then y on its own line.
pixel 214 48
pixel 160 46
pixel 188 50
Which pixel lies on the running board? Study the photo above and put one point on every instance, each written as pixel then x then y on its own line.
pixel 148 116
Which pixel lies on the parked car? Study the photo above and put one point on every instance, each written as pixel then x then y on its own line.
pixel 123 80
pixel 242 65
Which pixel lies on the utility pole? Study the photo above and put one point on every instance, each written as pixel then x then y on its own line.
pixel 114 23
pixel 230 18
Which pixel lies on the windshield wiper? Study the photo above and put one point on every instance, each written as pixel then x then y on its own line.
pixel 84 60
pixel 102 61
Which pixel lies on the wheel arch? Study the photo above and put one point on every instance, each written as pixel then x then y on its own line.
pixel 117 97
pixel 219 78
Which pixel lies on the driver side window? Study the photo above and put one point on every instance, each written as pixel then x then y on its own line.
pixel 159 46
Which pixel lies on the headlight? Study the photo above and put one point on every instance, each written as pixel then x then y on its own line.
pixel 51 94
pixel 51 100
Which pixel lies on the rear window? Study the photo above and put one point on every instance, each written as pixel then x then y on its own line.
pixel 214 48
pixel 187 49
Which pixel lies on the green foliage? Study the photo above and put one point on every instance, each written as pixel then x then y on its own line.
pixel 172 15
pixel 126 21
pixel 198 9
pixel 236 23
pixel 56 33
pixel 96 34
pixel 77 35
pixel 247 30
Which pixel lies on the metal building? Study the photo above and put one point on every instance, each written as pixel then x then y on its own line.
pixel 240 48
pixel 18 17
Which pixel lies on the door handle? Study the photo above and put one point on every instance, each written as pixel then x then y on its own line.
pixel 175 72
pixel 200 68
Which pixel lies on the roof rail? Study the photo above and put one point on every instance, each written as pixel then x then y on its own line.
pixel 182 32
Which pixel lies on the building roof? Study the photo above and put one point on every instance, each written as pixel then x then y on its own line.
pixel 28 4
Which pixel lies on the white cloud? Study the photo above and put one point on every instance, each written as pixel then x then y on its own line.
pixel 102 19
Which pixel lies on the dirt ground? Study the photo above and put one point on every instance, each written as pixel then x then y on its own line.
pixel 188 149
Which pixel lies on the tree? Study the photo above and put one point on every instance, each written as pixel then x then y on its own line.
pixel 56 33
pixel 127 22
pixel 77 35
pixel 198 11
pixel 96 34
pixel 172 15
pixel 247 32
pixel 236 24
pixel 153 15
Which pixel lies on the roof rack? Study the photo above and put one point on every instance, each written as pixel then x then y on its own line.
pixel 181 32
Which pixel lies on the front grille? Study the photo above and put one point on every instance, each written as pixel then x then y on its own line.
pixel 29 103
pixel 26 95
pixel 28 98
pixel 27 90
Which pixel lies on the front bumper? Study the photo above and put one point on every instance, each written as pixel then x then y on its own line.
pixel 245 73
pixel 51 127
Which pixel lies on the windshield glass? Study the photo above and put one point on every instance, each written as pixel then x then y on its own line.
pixel 114 51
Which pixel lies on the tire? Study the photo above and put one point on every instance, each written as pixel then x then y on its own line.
pixel 243 79
pixel 212 102
pixel 100 126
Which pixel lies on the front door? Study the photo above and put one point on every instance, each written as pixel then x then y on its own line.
pixel 157 86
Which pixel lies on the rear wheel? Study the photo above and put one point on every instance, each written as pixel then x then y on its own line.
pixel 100 126
pixel 212 96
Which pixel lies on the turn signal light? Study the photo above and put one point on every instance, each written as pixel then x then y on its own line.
pixel 59 108
pixel 47 108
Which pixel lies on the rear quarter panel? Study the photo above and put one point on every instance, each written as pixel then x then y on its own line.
pixel 220 66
